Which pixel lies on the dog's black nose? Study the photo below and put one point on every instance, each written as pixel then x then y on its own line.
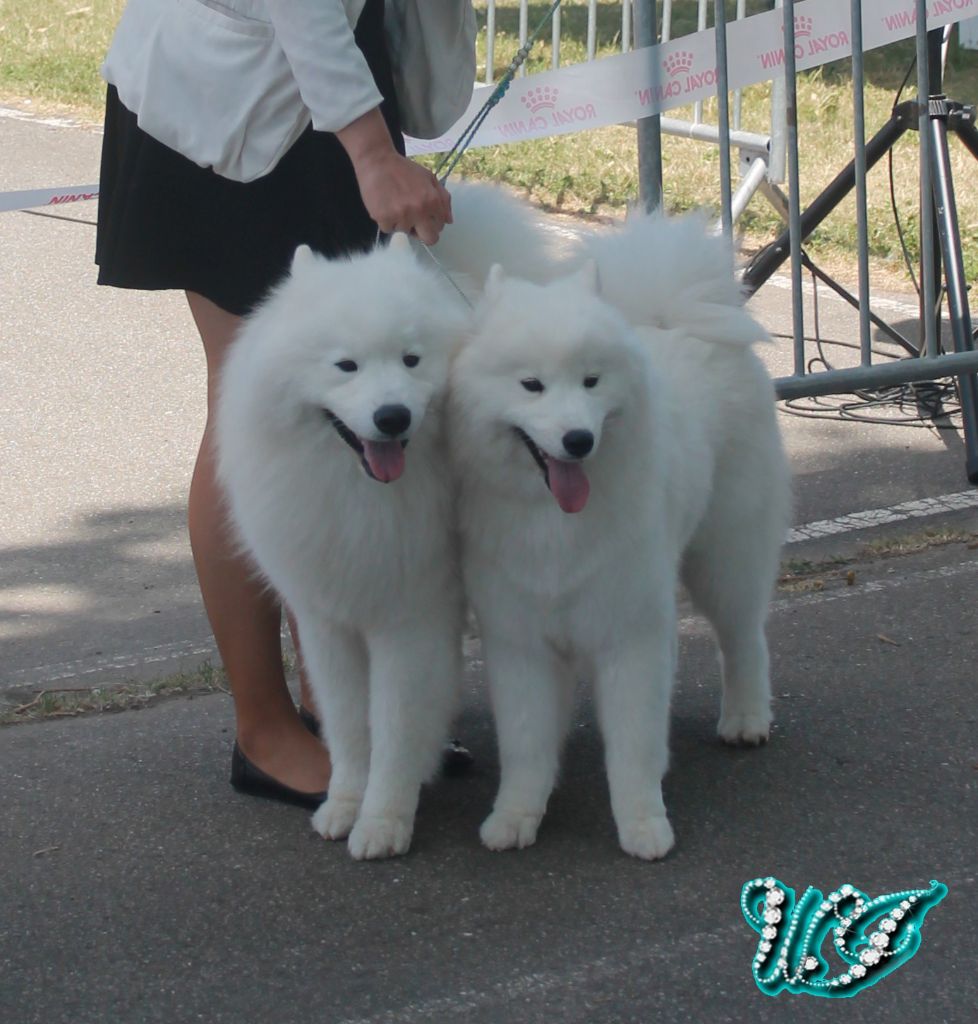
pixel 578 442
pixel 393 419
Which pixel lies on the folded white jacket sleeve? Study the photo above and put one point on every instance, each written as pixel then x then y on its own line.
pixel 331 73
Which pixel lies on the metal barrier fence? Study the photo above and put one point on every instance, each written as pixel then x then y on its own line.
pixel 643 23
pixel 933 116
pixel 764 160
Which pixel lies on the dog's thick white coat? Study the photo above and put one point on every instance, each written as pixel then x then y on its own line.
pixel 686 477
pixel 369 570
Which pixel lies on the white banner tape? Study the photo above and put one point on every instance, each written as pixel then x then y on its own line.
pixel 32 198
pixel 633 85
pixel 629 86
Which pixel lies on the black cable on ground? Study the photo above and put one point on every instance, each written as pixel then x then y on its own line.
pixel 933 405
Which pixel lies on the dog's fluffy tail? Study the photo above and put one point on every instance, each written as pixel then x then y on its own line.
pixel 492 226
pixel 674 273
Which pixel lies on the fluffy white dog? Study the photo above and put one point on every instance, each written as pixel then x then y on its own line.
pixel 334 388
pixel 603 443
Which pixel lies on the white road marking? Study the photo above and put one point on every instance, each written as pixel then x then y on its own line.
pixel 920 509
pixel 887 583
pixel 696 625
pixel 53 122
pixel 878 303
pixel 44 675
pixel 691 625
pixel 521 988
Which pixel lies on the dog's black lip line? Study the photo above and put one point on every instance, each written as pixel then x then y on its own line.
pixel 535 452
pixel 353 441
pixel 344 431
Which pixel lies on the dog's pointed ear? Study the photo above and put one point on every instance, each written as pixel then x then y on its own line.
pixel 303 257
pixel 494 280
pixel 588 276
pixel 399 242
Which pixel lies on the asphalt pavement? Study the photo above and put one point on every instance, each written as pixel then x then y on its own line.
pixel 135 886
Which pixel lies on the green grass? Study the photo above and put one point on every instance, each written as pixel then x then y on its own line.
pixel 126 696
pixel 50 51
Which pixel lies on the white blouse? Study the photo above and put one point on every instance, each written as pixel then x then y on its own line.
pixel 231 84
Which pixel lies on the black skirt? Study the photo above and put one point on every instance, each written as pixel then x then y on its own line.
pixel 164 222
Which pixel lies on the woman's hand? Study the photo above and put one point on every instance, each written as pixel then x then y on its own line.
pixel 399 194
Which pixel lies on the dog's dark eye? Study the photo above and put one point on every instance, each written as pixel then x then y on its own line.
pixel 591 380
pixel 532 384
pixel 346 365
pixel 411 360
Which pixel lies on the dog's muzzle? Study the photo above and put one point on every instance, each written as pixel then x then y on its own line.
pixel 564 478
pixel 382 461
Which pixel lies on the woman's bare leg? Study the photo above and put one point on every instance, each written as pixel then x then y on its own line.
pixel 245 618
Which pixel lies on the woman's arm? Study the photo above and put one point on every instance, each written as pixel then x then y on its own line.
pixel 332 74
pixel 399 194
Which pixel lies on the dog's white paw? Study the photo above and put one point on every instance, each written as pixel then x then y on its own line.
pixel 372 838
pixel 506 830
pixel 752 728
pixel 648 838
pixel 334 819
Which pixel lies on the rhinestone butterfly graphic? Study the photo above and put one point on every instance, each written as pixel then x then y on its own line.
pixel 873 937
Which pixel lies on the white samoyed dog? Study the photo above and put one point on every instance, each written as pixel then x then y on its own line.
pixel 334 389
pixel 606 444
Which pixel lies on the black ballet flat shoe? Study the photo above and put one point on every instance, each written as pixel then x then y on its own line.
pixel 456 760
pixel 249 778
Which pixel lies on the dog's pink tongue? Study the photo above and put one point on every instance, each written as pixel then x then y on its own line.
pixel 568 484
pixel 385 459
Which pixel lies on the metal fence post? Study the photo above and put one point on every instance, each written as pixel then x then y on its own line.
pixel 649 128
pixel 794 189
pixel 928 234
pixel 862 213
pixel 723 108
